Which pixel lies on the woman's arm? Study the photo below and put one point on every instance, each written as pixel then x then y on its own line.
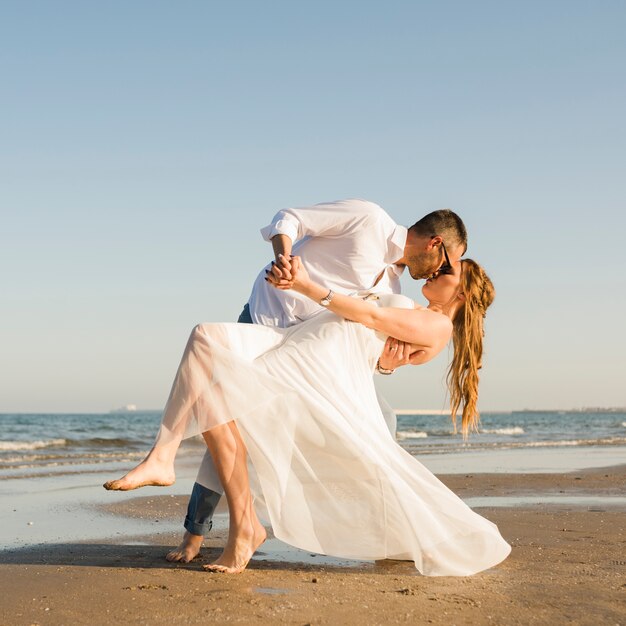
pixel 419 327
pixel 396 353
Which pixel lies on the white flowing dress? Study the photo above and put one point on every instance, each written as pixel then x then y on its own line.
pixel 330 477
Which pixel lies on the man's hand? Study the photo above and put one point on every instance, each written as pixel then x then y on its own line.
pixel 288 273
pixel 280 274
pixel 281 244
pixel 397 353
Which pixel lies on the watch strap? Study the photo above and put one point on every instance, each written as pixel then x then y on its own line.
pixel 327 299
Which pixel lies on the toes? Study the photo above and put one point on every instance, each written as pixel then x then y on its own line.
pixel 213 567
pixel 125 484
pixel 179 556
pixel 116 485
pixel 223 569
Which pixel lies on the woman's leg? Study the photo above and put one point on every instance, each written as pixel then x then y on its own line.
pixel 245 532
pixel 156 470
pixel 193 394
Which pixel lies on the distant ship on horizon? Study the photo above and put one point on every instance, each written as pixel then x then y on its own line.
pixel 127 408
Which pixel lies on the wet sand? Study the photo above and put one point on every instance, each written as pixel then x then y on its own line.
pixel 568 566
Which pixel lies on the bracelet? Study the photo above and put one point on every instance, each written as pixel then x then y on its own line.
pixel 382 370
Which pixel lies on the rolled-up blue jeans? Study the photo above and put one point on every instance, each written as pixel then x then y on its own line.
pixel 203 501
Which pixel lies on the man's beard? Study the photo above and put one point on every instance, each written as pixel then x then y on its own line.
pixel 420 267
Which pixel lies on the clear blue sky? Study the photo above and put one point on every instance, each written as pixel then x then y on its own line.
pixel 143 144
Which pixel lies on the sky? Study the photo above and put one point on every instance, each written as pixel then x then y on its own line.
pixel 144 144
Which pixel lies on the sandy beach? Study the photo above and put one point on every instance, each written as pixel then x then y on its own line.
pixel 568 566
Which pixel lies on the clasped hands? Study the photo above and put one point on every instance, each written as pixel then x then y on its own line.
pixel 286 273
pixel 289 273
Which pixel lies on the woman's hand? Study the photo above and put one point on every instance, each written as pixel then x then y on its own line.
pixel 288 274
pixel 398 353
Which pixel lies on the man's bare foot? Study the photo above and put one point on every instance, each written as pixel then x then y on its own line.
pixel 149 473
pixel 188 549
pixel 238 551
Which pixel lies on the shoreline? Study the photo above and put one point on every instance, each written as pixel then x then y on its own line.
pixel 567 566
pixel 47 509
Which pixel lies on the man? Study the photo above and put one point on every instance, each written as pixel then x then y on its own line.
pixel 350 246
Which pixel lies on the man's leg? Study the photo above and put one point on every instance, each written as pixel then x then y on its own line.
pixel 205 495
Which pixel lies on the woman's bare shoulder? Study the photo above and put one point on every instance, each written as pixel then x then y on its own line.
pixel 441 323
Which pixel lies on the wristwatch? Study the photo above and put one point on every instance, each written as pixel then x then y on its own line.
pixel 326 300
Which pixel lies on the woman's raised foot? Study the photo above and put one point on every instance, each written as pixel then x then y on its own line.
pixel 148 473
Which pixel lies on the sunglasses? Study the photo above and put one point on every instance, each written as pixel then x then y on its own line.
pixel 446 266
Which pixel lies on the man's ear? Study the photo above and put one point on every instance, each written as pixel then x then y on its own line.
pixel 434 242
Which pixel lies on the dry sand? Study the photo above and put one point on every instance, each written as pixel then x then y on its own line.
pixel 568 566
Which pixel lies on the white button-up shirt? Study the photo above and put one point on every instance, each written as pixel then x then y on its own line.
pixel 344 245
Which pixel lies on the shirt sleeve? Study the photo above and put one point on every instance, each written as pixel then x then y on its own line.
pixel 320 220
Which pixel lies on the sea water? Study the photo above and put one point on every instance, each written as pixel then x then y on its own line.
pixel 49 444
pixel 52 466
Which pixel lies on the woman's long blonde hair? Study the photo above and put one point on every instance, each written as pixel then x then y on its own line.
pixel 467 338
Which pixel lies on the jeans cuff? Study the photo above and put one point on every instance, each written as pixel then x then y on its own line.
pixel 197 529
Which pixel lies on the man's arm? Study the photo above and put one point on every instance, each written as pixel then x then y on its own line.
pixel 322 220
pixel 282 251
pixel 328 219
pixel 282 246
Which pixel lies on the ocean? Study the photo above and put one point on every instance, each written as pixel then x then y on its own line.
pixel 51 444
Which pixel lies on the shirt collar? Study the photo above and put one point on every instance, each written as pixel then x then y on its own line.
pixel 396 243
pixel 395 269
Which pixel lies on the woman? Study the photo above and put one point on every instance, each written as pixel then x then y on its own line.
pixel 328 476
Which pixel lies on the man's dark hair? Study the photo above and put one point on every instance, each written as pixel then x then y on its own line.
pixel 445 223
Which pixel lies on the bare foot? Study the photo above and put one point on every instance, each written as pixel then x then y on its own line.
pixel 239 550
pixel 188 549
pixel 149 472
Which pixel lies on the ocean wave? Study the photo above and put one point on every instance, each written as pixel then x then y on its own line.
pixel 606 441
pixel 94 442
pixel 624 424
pixel 73 463
pixel 75 459
pixel 31 445
pixel 475 445
pixel 511 430
pixel 104 442
pixel 411 434
pixel 31 466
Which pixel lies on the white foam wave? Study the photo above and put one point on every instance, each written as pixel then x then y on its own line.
pixel 75 459
pixel 30 445
pixel 411 434
pixel 624 424
pixel 425 448
pixel 577 442
pixel 512 430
